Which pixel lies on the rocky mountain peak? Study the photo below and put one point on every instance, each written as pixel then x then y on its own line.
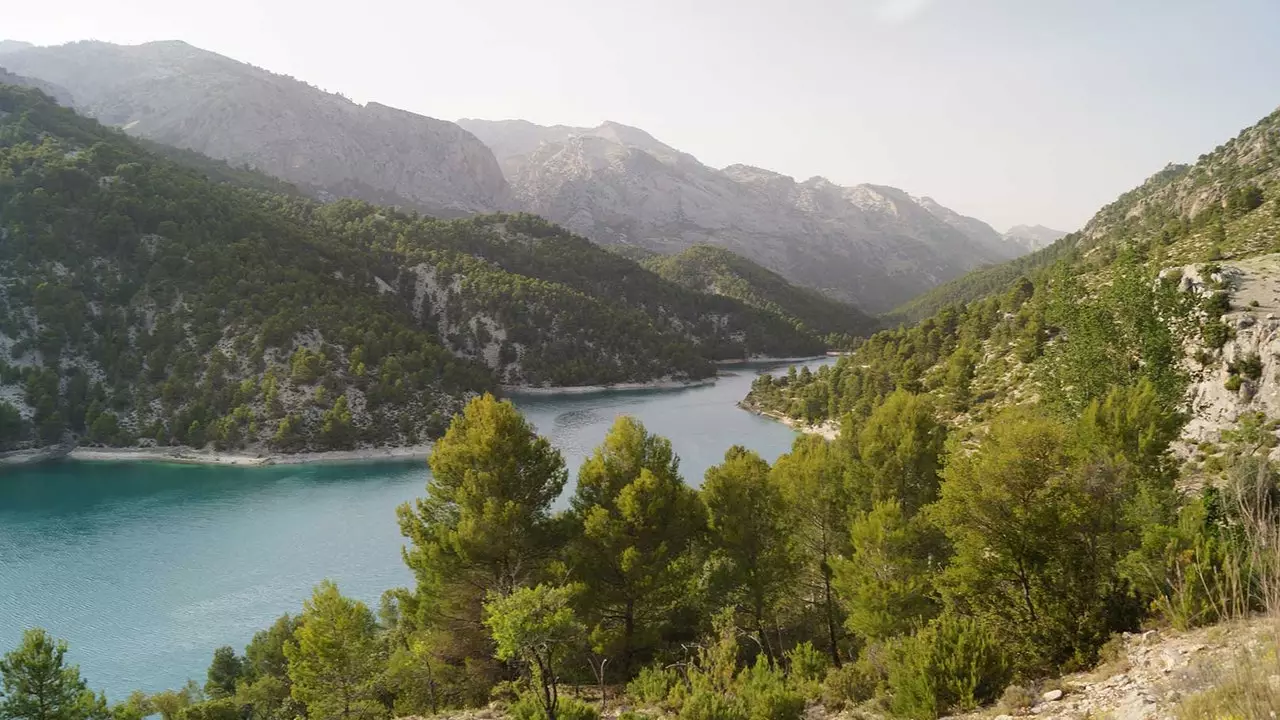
pixel 178 94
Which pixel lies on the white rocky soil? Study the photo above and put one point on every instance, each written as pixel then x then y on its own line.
pixel 1152 673
pixel 1254 287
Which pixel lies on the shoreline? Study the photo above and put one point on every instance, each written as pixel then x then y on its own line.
pixel 541 391
pixel 829 429
pixel 667 384
pixel 763 359
pixel 188 456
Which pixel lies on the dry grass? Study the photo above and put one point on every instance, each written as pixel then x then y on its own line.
pixel 1248 689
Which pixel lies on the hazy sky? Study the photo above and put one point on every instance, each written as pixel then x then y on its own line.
pixel 1015 111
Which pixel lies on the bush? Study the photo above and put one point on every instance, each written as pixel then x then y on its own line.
pixel 952 663
pixel 653 684
pixel 806 668
pixel 221 709
pixel 1217 304
pixel 1215 334
pixel 1015 699
pixel 852 684
pixel 1233 383
pixel 527 707
pixel 1249 366
pixel 706 704
pixel 763 690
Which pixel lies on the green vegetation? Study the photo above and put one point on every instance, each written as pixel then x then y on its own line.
pixel 155 296
pixel 907 567
pixel 713 270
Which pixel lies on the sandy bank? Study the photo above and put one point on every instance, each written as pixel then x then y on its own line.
pixel 769 359
pixel 528 390
pixel 829 429
pixel 244 459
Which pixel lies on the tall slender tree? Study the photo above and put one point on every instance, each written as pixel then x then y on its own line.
pixel 637 521
pixel 335 657
pixel 485 527
pixel 811 479
pixel 752 563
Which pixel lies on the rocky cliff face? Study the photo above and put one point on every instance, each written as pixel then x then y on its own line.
pixel 871 245
pixel 180 95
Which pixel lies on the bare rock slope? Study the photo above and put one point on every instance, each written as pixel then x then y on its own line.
pixel 176 94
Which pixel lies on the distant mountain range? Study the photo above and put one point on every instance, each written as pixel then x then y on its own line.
pixel 872 245
pixel 1033 237
pixel 869 244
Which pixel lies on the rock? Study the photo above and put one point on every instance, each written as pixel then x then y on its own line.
pixel 870 244
pixel 181 95
pixel 1246 321
pixel 1052 695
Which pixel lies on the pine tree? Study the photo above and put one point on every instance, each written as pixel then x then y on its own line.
pixel 38 684
pixel 753 564
pixel 638 521
pixel 336 657
pixel 811 478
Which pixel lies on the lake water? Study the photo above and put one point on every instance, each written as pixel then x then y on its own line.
pixel 146 568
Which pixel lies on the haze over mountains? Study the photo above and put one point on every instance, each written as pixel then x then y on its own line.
pixel 872 245
pixel 869 244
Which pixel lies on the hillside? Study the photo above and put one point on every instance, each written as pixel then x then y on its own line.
pixel 179 95
pixel 720 272
pixel 870 245
pixel 1203 332
pixel 144 301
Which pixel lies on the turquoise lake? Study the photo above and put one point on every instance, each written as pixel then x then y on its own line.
pixel 146 568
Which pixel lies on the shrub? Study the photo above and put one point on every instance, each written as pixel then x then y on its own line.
pixel 852 684
pixel 1215 334
pixel 221 709
pixel 653 684
pixel 528 707
pixel 1217 304
pixel 1233 383
pixel 1016 698
pixel 1249 366
pixel 707 704
pixel 763 690
pixel 952 663
pixel 806 668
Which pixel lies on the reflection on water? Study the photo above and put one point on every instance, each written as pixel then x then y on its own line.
pixel 146 568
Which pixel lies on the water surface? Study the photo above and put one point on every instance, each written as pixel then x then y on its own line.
pixel 145 568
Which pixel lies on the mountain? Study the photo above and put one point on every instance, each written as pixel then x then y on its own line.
pixel 60 94
pixel 190 98
pixel 142 300
pixel 1172 285
pixel 717 271
pixel 1032 237
pixel 871 245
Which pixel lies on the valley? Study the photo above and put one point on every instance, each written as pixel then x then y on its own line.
pixel 700 443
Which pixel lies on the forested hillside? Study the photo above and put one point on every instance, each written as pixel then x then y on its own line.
pixel 719 272
pixel 1088 311
pixel 144 301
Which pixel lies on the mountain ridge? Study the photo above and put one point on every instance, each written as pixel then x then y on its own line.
pixel 160 298
pixel 177 94
pixel 870 245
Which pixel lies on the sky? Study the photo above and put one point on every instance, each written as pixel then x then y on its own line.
pixel 1013 111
